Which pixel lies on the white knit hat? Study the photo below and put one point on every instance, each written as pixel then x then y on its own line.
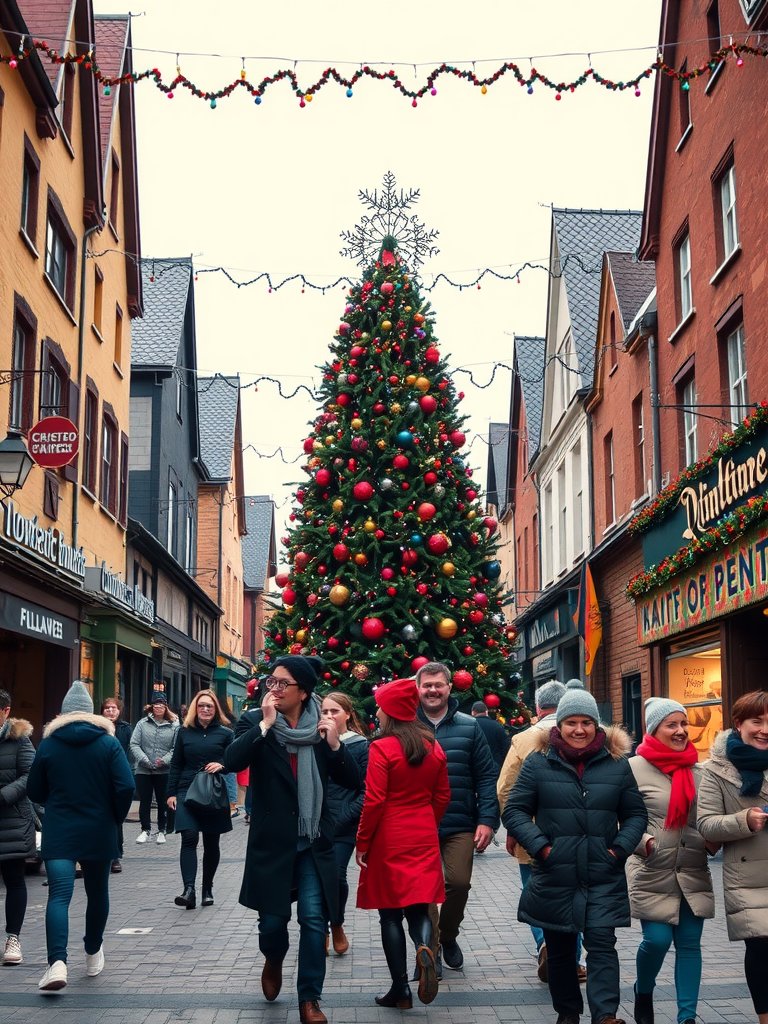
pixel 657 709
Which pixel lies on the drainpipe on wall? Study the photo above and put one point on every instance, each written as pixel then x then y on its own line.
pixel 221 536
pixel 80 353
pixel 653 375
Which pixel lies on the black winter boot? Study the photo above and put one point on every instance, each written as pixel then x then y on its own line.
pixel 643 1007
pixel 187 898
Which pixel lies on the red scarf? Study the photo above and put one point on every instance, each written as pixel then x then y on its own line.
pixel 577 757
pixel 676 763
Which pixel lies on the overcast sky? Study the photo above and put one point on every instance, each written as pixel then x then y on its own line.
pixel 270 187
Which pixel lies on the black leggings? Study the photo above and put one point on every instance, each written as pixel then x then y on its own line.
pixel 755 959
pixel 188 856
pixel 393 936
pixel 147 786
pixel 15 894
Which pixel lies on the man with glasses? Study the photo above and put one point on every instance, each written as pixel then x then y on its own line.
pixel 290 751
pixel 473 813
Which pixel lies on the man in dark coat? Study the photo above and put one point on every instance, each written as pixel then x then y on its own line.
pixel 473 813
pixel 496 735
pixel 291 751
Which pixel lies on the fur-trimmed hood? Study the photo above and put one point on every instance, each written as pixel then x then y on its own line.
pixel 17 729
pixel 720 764
pixel 79 718
pixel 618 742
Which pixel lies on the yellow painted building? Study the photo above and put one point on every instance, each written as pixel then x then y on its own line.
pixel 69 287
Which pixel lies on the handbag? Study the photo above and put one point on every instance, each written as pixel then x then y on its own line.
pixel 207 793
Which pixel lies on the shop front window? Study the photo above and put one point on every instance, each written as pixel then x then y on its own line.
pixel 87 663
pixel 694 678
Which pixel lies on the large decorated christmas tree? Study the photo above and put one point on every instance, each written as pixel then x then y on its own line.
pixel 392 555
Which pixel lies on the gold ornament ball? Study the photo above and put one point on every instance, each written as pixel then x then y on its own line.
pixel 410 379
pixel 369 526
pixel 301 635
pixel 356 423
pixel 386 325
pixel 361 559
pixel 314 461
pixel 339 595
pixel 471 514
pixel 329 440
pixel 360 672
pixel 446 628
pixel 317 445
pixel 422 384
pixel 448 568
pixel 338 505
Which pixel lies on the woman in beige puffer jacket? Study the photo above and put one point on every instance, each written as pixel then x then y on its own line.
pixel 733 799
pixel 670 887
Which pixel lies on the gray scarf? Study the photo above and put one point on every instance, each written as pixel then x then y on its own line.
pixel 300 741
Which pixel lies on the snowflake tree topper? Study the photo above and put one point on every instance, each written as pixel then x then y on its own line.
pixel 389 218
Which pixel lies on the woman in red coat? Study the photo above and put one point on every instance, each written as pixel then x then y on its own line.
pixel 406 795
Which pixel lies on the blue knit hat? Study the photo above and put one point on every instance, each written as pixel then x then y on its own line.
pixel 577 702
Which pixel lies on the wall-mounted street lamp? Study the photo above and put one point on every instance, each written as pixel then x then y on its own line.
pixel 15 464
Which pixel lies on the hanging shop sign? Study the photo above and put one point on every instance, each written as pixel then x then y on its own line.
pixel 717 586
pixel 101 580
pixel 544 665
pixel 553 625
pixel 47 544
pixel 35 621
pixel 53 442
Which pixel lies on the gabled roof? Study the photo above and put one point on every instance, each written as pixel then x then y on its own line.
pixel 50 20
pixel 111 36
pixel 582 237
pixel 633 280
pixel 32 72
pixel 217 400
pixel 498 457
pixel 530 359
pixel 155 339
pixel 259 556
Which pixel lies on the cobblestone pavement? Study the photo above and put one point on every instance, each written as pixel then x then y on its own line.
pixel 166 965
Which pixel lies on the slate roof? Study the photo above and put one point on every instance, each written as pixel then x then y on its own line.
pixel 634 280
pixel 529 357
pixel 583 236
pixel 258 543
pixel 111 36
pixel 498 460
pixel 156 337
pixel 217 402
pixel 49 20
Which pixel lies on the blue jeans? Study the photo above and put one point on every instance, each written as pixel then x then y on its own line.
pixel 230 780
pixel 657 938
pixel 61 884
pixel 342 851
pixel 312 916
pixel 538 934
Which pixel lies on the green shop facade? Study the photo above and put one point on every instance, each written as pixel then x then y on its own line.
pixel 702 599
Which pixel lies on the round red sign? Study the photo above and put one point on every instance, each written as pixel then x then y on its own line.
pixel 53 442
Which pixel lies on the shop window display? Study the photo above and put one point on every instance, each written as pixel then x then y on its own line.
pixel 694 678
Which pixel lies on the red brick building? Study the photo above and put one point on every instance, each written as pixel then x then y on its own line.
pixel 705 225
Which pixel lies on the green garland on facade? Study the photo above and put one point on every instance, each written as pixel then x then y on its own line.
pixel 666 500
pixel 755 510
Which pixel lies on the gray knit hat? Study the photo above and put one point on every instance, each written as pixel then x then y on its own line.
pixel 577 702
pixel 657 709
pixel 77 698
pixel 574 684
pixel 549 694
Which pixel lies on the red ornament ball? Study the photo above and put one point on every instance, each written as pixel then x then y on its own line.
pixel 373 629
pixel 400 462
pixel 428 405
pixel 430 478
pixel 281 579
pixel 492 700
pixel 341 552
pixel 462 680
pixel 323 477
pixel 387 288
pixel 438 544
pixel 301 560
pixel 432 355
pixel 480 599
pixel 457 438
pixel 387 573
pixel 426 511
pixel 363 491
pixel 289 596
pixel 418 662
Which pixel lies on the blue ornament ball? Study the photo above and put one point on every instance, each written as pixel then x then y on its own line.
pixel 416 539
pixel 405 438
pixel 492 570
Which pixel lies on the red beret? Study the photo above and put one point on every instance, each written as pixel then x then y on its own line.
pixel 398 699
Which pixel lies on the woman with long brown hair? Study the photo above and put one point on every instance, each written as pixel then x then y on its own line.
pixel 345 804
pixel 200 746
pixel 406 795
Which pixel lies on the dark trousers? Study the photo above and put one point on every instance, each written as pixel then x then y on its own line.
pixel 148 786
pixel 12 872
pixel 602 972
pixel 393 938
pixel 188 857
pixel 312 915
pixel 755 960
pixel 342 850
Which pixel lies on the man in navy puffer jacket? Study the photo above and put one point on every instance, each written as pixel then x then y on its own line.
pixel 473 813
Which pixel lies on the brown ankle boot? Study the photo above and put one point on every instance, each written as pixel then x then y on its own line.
pixel 310 1013
pixel 272 979
pixel 340 940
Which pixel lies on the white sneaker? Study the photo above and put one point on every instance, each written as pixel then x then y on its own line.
pixel 94 962
pixel 54 978
pixel 143 836
pixel 12 954
pixel 160 837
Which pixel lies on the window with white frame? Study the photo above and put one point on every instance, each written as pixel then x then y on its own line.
pixel 548 532
pixel 728 211
pixel 171 532
pixel 566 369
pixel 562 538
pixel 577 487
pixel 690 422
pixel 684 276
pixel 737 375
pixel 610 478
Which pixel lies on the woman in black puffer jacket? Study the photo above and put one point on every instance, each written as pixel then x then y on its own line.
pixel 578 812
pixel 200 745
pixel 17 823
pixel 345 805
